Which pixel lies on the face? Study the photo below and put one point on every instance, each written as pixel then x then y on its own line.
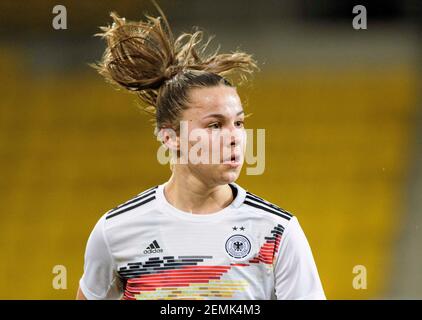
pixel 214 124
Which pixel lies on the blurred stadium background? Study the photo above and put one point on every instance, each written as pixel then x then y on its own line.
pixel 342 110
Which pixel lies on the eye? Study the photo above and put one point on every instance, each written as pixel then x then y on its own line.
pixel 215 125
pixel 240 123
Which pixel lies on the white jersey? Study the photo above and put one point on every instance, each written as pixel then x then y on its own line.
pixel 147 249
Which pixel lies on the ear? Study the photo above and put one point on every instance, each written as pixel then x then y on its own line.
pixel 170 139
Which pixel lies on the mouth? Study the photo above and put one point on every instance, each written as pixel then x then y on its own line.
pixel 233 161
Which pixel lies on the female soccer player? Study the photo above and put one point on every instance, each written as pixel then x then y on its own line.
pixel 199 235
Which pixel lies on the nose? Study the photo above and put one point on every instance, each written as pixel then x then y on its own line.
pixel 236 136
pixel 231 136
pixel 235 139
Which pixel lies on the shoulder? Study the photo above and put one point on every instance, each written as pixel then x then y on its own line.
pixel 267 210
pixel 138 203
pixel 115 223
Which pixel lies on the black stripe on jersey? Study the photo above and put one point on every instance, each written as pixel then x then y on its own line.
pixel 132 200
pixel 266 203
pixel 138 197
pixel 263 201
pixel 132 207
pixel 273 211
pixel 146 263
pixel 279 227
pixel 277 232
pixel 141 196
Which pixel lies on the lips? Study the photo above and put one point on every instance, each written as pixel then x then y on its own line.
pixel 234 158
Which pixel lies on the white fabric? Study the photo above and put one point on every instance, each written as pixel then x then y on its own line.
pixel 200 256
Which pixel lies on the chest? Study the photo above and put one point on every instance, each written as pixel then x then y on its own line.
pixel 197 261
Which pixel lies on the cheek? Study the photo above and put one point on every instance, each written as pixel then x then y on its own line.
pixel 200 144
pixel 243 137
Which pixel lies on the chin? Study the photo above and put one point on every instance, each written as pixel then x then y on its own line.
pixel 220 174
pixel 229 176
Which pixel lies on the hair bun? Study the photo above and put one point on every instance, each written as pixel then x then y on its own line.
pixel 141 56
pixel 172 71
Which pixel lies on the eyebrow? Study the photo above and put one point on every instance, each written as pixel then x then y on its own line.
pixel 219 115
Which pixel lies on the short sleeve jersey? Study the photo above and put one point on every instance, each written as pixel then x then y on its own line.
pixel 146 248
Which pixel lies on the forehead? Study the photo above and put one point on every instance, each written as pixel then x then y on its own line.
pixel 219 99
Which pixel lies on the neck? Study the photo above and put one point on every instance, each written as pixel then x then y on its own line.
pixel 190 194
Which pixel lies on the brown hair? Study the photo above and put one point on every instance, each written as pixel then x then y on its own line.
pixel 143 57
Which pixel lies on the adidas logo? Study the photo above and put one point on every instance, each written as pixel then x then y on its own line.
pixel 153 248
